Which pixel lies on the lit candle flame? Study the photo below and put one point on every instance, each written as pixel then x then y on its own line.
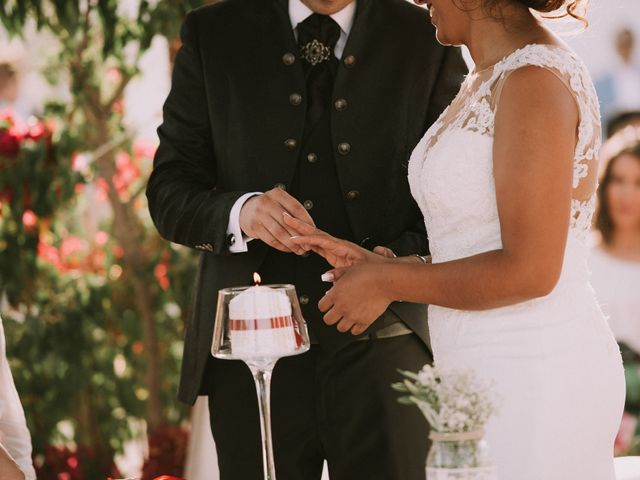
pixel 256 278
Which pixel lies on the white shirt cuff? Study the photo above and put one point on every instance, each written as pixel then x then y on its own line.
pixel 237 239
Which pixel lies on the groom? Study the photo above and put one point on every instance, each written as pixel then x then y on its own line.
pixel 310 107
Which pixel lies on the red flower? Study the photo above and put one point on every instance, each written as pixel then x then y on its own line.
pixel 160 273
pixel 137 347
pixel 9 143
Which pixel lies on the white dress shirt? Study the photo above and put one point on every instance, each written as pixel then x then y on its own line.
pixel 298 13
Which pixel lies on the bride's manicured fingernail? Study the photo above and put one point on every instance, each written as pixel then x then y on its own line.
pixel 328 277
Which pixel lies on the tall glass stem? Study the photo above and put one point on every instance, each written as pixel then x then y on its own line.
pixel 262 378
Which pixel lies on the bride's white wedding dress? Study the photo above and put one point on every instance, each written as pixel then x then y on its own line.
pixel 554 362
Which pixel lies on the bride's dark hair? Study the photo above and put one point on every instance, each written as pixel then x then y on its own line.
pixel 560 8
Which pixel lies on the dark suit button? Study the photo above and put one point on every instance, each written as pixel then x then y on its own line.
pixel 295 99
pixel 344 148
pixel 291 144
pixel 312 158
pixel 308 204
pixel 281 186
pixel 288 59
pixel 353 195
pixel 304 299
pixel 341 105
pixel 350 61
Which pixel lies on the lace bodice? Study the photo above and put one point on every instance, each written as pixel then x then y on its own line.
pixel 451 169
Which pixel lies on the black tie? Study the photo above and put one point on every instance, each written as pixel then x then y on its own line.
pixel 317 37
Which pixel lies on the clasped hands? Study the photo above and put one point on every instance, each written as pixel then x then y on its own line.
pixel 357 297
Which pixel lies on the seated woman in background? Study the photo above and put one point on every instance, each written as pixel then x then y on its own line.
pixel 15 441
pixel 615 263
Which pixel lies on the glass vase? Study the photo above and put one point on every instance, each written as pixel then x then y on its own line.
pixel 459 456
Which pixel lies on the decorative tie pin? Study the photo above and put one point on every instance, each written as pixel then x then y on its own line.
pixel 315 52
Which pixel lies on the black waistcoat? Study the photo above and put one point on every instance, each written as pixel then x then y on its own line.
pixel 317 186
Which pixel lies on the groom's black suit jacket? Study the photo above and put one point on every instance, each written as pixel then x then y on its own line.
pixel 232 126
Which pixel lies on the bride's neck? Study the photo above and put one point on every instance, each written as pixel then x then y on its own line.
pixel 491 39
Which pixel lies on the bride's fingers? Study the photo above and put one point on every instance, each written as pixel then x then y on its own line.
pixel 333 275
pixel 358 329
pixel 332 317
pixel 323 242
pixel 345 325
pixel 299 226
pixel 326 303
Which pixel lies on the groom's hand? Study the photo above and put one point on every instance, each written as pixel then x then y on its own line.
pixel 261 218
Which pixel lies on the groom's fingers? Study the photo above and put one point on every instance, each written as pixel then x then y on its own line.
pixel 269 239
pixel 385 252
pixel 292 206
pixel 282 235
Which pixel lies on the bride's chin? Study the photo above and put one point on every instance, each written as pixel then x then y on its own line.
pixel 442 39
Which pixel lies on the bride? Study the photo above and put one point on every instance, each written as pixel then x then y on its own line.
pixel 506 180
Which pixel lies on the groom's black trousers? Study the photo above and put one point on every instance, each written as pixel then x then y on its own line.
pixel 336 406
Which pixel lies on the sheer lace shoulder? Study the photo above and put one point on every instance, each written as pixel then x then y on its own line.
pixel 475 106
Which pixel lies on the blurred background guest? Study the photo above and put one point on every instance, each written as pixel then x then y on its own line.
pixel 622 120
pixel 619 89
pixel 615 262
pixel 15 441
pixel 11 58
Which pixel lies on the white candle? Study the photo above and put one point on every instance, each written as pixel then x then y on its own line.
pixel 261 323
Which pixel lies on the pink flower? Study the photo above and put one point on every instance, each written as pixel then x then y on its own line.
pixel 101 238
pixel 29 219
pixel 71 246
pixel 49 254
pixel 625 434
pixel 114 75
pixel 102 188
pixel 37 131
pixel 80 163
pixel 127 173
pixel 144 149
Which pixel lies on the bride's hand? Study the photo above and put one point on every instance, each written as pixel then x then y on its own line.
pixel 339 253
pixel 357 299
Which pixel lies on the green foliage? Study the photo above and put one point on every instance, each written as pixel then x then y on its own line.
pixel 68 18
pixel 94 307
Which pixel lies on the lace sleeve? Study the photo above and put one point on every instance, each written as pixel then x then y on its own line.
pixel 571 71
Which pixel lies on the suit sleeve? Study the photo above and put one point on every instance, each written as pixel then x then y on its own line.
pixel 449 78
pixel 186 204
